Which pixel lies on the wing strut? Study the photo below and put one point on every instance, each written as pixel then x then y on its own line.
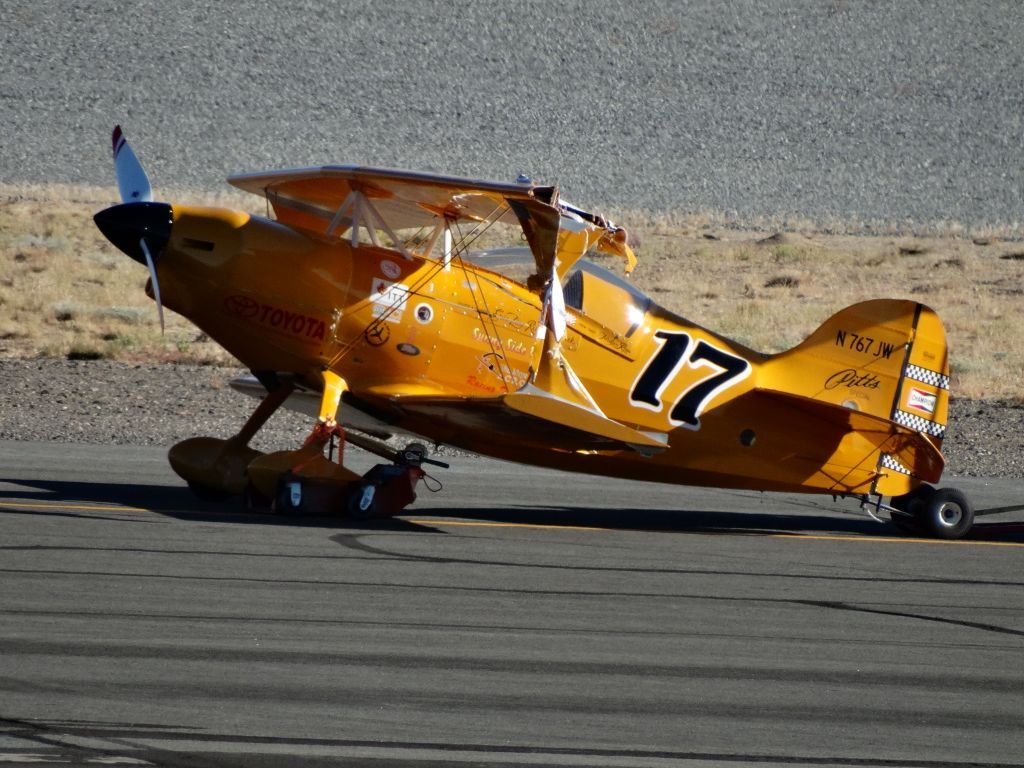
pixel 358 212
pixel 555 393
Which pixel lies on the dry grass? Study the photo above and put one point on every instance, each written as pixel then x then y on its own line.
pixel 771 292
pixel 65 291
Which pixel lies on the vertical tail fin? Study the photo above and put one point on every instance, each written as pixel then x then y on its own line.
pixel 887 359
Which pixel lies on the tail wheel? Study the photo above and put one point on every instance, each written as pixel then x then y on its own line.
pixel 946 514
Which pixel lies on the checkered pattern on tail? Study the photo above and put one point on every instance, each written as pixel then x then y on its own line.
pixel 888 462
pixel 925 376
pixel 919 424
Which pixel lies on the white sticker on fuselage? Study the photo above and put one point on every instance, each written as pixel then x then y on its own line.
pixel 388 300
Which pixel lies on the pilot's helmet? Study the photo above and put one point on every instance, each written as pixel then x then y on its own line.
pixel 413 454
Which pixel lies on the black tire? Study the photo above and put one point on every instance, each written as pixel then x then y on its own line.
pixel 947 514
pixel 356 510
pixel 208 493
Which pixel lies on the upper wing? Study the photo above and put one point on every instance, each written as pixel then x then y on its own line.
pixel 320 200
pixel 327 200
pixel 311 197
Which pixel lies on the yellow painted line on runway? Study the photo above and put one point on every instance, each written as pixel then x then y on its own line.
pixel 892 540
pixel 482 524
pixel 76 507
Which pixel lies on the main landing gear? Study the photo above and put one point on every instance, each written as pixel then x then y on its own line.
pixel 944 513
pixel 303 481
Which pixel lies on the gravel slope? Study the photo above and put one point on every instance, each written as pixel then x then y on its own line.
pixel 117 403
pixel 820 109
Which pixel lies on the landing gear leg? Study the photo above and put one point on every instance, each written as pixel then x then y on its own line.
pixel 268 407
pixel 305 480
pixel 215 468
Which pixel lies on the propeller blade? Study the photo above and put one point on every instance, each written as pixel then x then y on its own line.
pixel 154 281
pixel 131 176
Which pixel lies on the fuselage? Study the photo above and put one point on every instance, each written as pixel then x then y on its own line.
pixel 415 338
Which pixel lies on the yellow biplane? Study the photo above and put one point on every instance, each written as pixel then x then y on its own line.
pixel 377 291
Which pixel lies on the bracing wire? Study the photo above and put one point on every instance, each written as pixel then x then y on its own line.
pixel 462 244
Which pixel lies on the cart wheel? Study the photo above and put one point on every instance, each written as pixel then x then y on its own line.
pixel 290 497
pixel 362 501
pixel 947 514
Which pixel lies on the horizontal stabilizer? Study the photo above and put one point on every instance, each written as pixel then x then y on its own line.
pixel 913 452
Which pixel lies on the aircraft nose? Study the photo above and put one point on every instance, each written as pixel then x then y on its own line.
pixel 127 224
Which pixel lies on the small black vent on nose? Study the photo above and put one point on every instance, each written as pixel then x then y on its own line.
pixel 197 245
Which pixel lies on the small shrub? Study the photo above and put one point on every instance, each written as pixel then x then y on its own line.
pixel 79 352
pixel 782 281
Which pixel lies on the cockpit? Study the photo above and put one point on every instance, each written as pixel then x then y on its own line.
pixel 598 293
pixel 605 297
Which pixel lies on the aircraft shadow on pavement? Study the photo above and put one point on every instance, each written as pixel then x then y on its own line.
pixel 55 491
pixel 173 501
pixel 668 520
pixel 157 498
pixel 701 521
pixel 180 502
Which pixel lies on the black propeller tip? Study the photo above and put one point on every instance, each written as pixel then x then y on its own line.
pixel 127 224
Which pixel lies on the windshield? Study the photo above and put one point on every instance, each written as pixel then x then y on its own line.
pixel 605 297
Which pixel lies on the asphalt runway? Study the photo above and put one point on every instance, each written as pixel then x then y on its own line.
pixel 517 618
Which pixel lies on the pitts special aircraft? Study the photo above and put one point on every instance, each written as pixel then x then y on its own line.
pixel 364 291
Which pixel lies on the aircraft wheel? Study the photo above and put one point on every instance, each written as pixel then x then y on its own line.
pixel 362 501
pixel 947 514
pixel 208 493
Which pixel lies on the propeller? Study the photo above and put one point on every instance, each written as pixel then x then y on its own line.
pixel 155 283
pixel 139 226
pixel 131 176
